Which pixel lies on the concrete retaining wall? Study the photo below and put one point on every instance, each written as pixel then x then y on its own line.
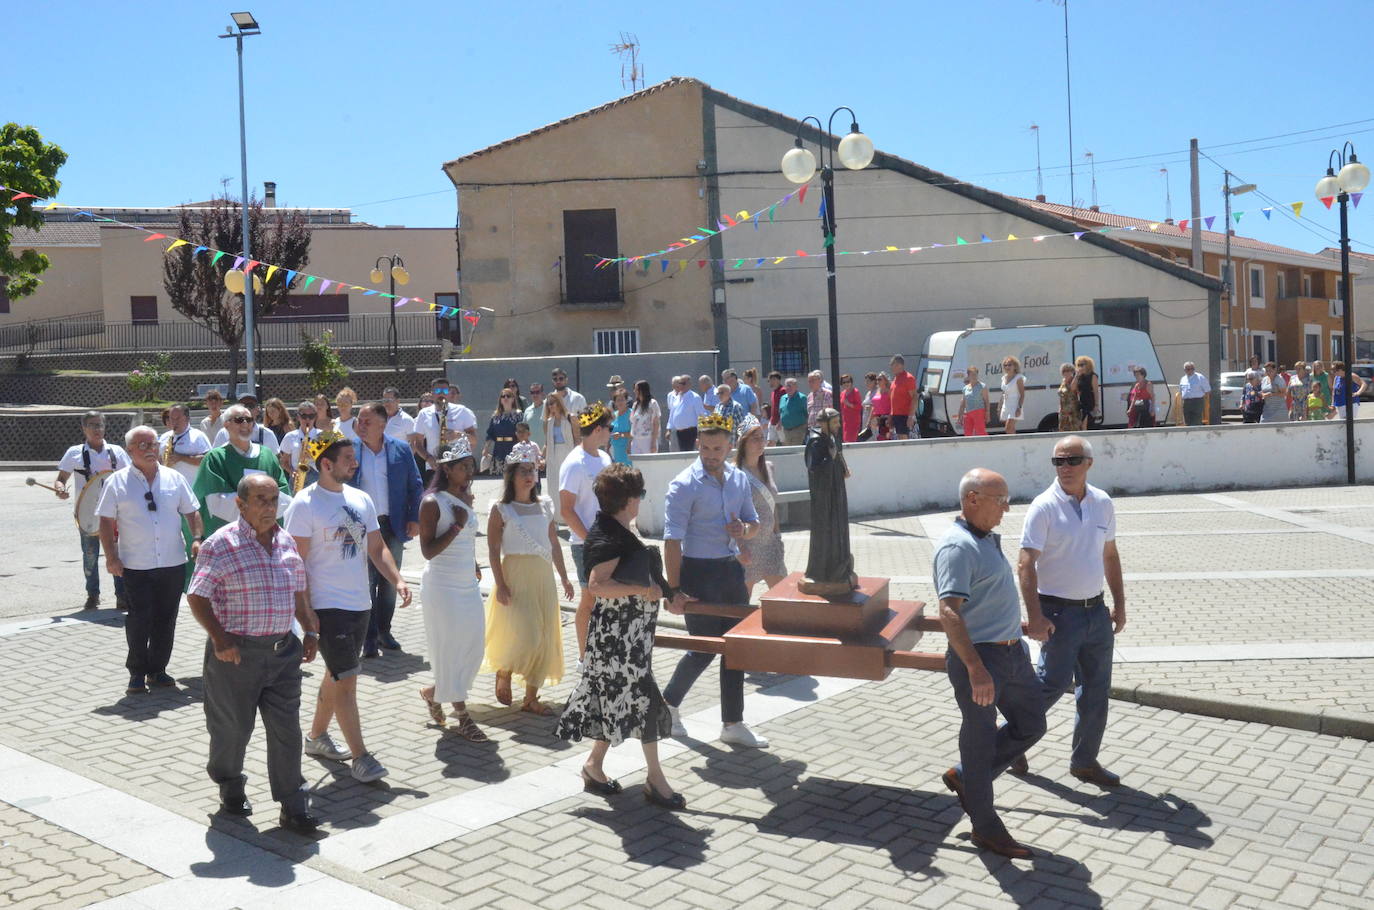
pixel 919 474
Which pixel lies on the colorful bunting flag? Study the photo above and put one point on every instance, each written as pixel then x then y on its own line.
pixel 1236 215
pixel 1183 226
pixel 1355 199
pixel 270 270
pixel 19 196
pixel 178 243
pixel 1208 221
pixel 324 286
pixel 1078 235
pixel 1266 212
pixel 984 238
pixel 218 253
pixel 1297 209
pixel 959 241
pixel 151 237
pixel 1327 200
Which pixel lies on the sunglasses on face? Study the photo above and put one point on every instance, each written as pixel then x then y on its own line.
pixel 240 419
pixel 310 416
pixel 1072 460
pixel 441 391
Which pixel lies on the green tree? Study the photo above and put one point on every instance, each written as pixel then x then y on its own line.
pixel 27 165
pixel 195 286
pixel 322 359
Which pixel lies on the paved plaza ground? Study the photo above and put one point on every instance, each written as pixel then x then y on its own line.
pixel 1256 600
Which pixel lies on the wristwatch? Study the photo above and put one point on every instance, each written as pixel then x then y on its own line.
pixel 312 634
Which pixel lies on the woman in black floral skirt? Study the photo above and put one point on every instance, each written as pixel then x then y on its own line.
pixel 617 698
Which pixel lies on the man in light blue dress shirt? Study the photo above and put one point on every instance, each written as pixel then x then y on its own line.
pixel 708 510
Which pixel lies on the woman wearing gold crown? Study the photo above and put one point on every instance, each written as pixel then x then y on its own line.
pixel 524 635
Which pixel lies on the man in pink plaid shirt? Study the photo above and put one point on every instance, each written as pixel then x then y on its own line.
pixel 248 585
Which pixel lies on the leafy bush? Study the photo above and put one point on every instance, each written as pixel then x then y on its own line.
pixel 321 358
pixel 150 379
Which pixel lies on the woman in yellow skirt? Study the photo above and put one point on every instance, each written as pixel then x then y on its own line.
pixel 524 634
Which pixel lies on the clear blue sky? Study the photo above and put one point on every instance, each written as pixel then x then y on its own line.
pixel 353 103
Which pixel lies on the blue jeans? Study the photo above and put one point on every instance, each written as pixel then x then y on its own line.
pixel 718 581
pixel 383 592
pixel 1082 643
pixel 985 750
pixel 90 565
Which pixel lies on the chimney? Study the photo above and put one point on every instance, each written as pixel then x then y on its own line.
pixel 1168 221
pixel 269 194
pixel 1040 198
pixel 1093 208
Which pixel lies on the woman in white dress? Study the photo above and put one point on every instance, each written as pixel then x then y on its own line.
pixel 559 437
pixel 524 632
pixel 644 420
pixel 1013 394
pixel 455 622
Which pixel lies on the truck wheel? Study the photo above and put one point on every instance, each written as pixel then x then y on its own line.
pixel 1048 424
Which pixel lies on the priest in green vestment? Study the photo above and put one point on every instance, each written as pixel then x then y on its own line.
pixel 222 468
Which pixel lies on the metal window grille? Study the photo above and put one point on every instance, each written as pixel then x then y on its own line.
pixel 791 351
pixel 616 341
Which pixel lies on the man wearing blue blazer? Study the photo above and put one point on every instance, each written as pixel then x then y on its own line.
pixel 387 473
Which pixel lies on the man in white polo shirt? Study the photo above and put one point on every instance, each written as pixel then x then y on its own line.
pixel 143 504
pixel 1068 544
pixel 577 503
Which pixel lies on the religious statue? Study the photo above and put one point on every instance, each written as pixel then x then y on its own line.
pixel 830 564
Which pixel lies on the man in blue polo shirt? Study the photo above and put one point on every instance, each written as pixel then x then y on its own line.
pixel 708 510
pixel 988 665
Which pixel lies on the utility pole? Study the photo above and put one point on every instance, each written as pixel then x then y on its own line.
pixel 1213 297
pixel 1197 208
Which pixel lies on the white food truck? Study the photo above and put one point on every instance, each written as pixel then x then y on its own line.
pixel 1042 349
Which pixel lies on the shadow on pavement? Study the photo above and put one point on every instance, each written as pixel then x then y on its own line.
pixel 481 762
pixel 650 836
pixel 1028 887
pixel 343 802
pixel 235 858
pixel 1128 809
pixel 156 701
pixel 525 728
pixel 394 666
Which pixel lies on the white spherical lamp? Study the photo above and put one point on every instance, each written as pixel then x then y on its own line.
pixel 799 165
pixel 856 150
pixel 233 280
pixel 400 274
pixel 1354 177
pixel 1328 186
pixel 375 276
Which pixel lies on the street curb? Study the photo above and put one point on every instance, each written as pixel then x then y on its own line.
pixel 1325 721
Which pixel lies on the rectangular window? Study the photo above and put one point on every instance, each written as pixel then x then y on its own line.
pixel 1257 285
pixel 616 341
pixel 1281 286
pixel 1307 285
pixel 1340 288
pixel 588 236
pixel 309 308
pixel 1312 342
pixel 1337 346
pixel 143 310
pixel 448 328
pixel 791 351
pixel 1126 312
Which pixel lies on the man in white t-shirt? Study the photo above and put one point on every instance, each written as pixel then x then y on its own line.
pixel 259 435
pixel 189 445
pixel 337 533
pixel 461 421
pixel 577 499
pixel 1068 546
pixel 82 462
pixel 399 424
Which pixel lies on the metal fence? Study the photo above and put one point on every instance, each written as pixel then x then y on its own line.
pixel 90 332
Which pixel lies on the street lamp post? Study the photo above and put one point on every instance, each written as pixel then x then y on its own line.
pixel 855 152
pixel 247 26
pixel 396 268
pixel 1227 191
pixel 1352 178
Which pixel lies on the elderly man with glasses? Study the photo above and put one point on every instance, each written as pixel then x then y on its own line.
pixel 987 662
pixel 1068 545
pixel 143 504
pixel 222 468
pixel 1193 388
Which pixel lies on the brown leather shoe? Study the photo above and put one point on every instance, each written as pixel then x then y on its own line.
pixel 955 782
pixel 1019 766
pixel 1096 775
pixel 1008 847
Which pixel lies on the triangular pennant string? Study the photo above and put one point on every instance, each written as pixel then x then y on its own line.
pixel 1355 199
pixel 1208 221
pixel 1297 209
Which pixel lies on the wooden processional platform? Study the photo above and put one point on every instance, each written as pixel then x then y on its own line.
pixel 863 635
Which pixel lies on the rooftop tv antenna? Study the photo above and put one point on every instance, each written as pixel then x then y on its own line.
pixel 1168 198
pixel 1093 165
pixel 1039 176
pixel 631 73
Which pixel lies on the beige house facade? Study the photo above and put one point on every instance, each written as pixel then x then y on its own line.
pixel 108 279
pixel 644 171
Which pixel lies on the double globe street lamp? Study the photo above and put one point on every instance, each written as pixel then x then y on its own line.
pixel 855 152
pixel 1352 177
pixel 396 268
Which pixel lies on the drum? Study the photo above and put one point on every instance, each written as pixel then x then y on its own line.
pixel 86 519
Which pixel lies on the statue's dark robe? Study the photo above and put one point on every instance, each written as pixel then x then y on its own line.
pixel 830 558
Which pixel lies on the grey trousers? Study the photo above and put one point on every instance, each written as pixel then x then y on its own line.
pixel 266 679
pixel 1192 412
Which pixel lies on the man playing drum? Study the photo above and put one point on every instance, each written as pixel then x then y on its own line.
pixel 93 458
